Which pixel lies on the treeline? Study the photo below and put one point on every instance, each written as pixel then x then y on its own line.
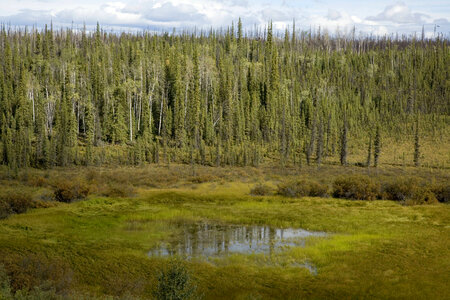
pixel 217 97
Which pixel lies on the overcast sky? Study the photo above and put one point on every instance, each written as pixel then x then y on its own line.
pixel 376 17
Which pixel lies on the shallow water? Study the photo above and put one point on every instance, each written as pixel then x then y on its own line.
pixel 212 240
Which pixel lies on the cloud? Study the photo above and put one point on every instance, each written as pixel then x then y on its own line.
pixel 29 17
pixel 399 13
pixel 441 21
pixel 167 14
pixel 333 14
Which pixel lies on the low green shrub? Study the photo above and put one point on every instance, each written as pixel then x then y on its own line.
pixel 119 191
pixel 409 191
pixel 45 291
pixel 20 202
pixel 5 285
pixel 261 190
pixel 37 270
pixel 13 202
pixel 69 191
pixel 37 181
pixel 357 187
pixel 5 209
pixel 423 195
pixel 174 282
pixel 302 188
pixel 442 192
pixel 400 189
pixel 203 178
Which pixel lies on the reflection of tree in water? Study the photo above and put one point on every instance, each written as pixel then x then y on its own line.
pixel 215 239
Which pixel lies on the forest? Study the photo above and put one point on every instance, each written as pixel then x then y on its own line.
pixel 223 164
pixel 221 97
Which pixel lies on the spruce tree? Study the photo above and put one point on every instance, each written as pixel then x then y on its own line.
pixel 369 152
pixel 319 144
pixel 312 140
pixel 377 146
pixel 417 144
pixel 344 133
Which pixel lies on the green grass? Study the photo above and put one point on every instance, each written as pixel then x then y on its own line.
pixel 377 249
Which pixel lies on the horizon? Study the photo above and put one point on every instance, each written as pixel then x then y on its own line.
pixel 405 18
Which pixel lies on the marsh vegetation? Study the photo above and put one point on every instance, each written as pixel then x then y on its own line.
pixel 118 245
pixel 227 164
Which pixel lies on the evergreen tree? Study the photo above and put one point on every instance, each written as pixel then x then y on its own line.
pixel 319 144
pixel 236 97
pixel 369 152
pixel 377 147
pixel 417 144
pixel 344 134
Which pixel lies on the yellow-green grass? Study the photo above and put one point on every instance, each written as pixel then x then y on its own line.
pixel 376 249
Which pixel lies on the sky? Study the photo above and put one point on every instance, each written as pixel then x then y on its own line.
pixel 378 17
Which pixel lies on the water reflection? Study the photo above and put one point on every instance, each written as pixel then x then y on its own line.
pixel 205 239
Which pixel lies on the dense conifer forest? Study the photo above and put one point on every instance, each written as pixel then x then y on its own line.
pixel 218 97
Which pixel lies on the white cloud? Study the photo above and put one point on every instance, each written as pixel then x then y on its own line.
pixel 333 14
pixel 399 13
pixel 166 14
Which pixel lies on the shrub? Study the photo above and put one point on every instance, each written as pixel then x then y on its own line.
pixel 301 188
pixel 203 178
pixel 5 209
pixel 36 270
pixel 261 190
pixel 442 192
pixel 422 195
pixel 356 187
pixel 37 181
pixel 19 202
pixel 14 202
pixel 5 289
pixel 69 191
pixel 174 282
pixel 121 191
pixel 400 189
pixel 408 190
pixel 45 291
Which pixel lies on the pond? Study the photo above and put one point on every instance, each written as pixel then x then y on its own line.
pixel 214 240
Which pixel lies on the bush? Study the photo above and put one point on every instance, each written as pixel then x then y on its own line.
pixel 261 190
pixel 121 191
pixel 442 192
pixel 174 282
pixel 423 195
pixel 400 189
pixel 203 178
pixel 69 191
pixel 409 191
pixel 36 270
pixel 45 291
pixel 37 181
pixel 5 209
pixel 356 187
pixel 14 203
pixel 19 202
pixel 302 188
pixel 5 288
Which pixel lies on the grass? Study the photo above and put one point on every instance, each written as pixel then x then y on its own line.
pixel 377 249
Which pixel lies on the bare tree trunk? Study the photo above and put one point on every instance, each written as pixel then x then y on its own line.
pixel 131 120
pixel 160 115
